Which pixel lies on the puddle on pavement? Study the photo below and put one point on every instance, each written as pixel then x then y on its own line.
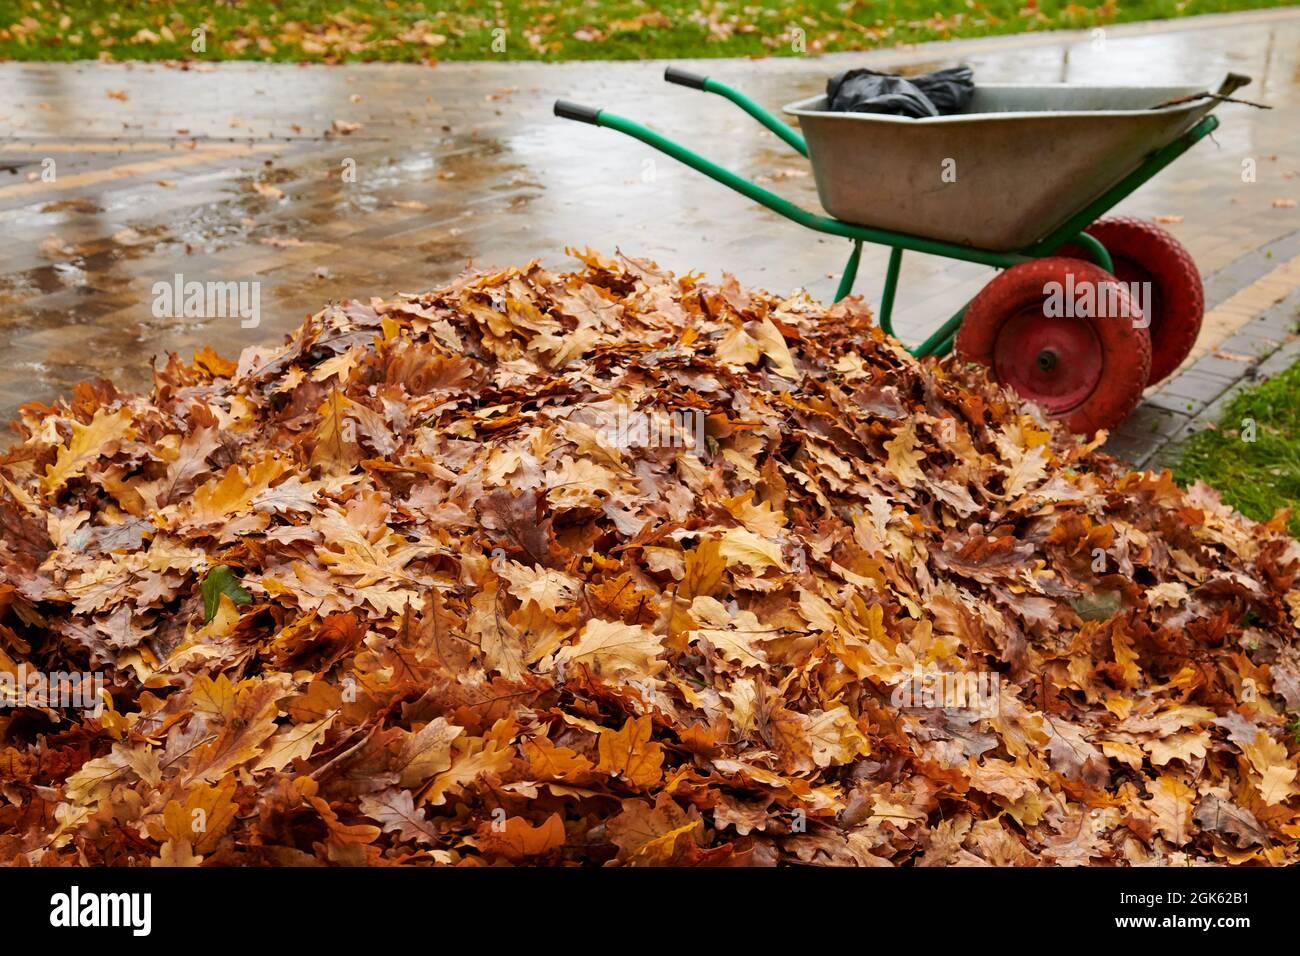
pixel 447 174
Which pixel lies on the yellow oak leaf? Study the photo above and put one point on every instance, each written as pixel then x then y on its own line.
pixel 547 761
pixel 1185 746
pixel 242 730
pixel 736 637
pixel 742 546
pixel 758 518
pixel 337 451
pixel 219 498
pixel 202 818
pixel 1171 807
pixel 293 742
pixel 488 758
pixel 1027 468
pixel 1277 773
pixel 426 752
pixel 737 348
pixel 612 649
pixel 630 753
pixel 904 457
pixel 88 443
pixel 774 347
pixel 547 587
pixel 704 567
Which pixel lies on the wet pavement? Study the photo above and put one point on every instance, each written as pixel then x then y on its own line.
pixel 352 181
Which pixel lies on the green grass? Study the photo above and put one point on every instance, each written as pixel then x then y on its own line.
pixel 1255 477
pixel 294 30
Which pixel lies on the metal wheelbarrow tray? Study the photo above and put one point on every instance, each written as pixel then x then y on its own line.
pixel 1053 149
pixel 1019 181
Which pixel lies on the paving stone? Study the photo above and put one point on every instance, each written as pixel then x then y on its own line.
pixel 1148 419
pixel 1128 448
pixel 1194 387
pixel 1227 370
pixel 1174 403
pixel 1279 326
pixel 1247 342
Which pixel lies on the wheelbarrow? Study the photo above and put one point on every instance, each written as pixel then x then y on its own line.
pixel 1086 311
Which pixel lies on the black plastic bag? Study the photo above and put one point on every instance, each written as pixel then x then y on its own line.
pixel 932 94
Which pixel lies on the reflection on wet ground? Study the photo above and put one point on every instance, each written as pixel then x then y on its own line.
pixel 332 182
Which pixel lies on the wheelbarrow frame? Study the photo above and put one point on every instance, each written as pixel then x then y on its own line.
pixel 1071 232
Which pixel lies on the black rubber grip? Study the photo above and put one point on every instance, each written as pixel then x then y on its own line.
pixel 682 77
pixel 575 111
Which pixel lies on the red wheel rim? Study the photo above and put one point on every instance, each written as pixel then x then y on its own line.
pixel 1088 372
pixel 1056 362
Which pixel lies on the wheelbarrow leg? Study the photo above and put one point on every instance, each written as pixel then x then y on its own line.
pixel 891 286
pixel 850 271
pixel 891 283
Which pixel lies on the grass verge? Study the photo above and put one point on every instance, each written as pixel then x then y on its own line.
pixel 311 30
pixel 1256 477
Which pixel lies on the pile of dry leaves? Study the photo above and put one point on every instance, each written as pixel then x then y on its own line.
pixel 454 615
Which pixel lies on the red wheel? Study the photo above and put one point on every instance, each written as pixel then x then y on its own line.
pixel 1025 325
pixel 1143 252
